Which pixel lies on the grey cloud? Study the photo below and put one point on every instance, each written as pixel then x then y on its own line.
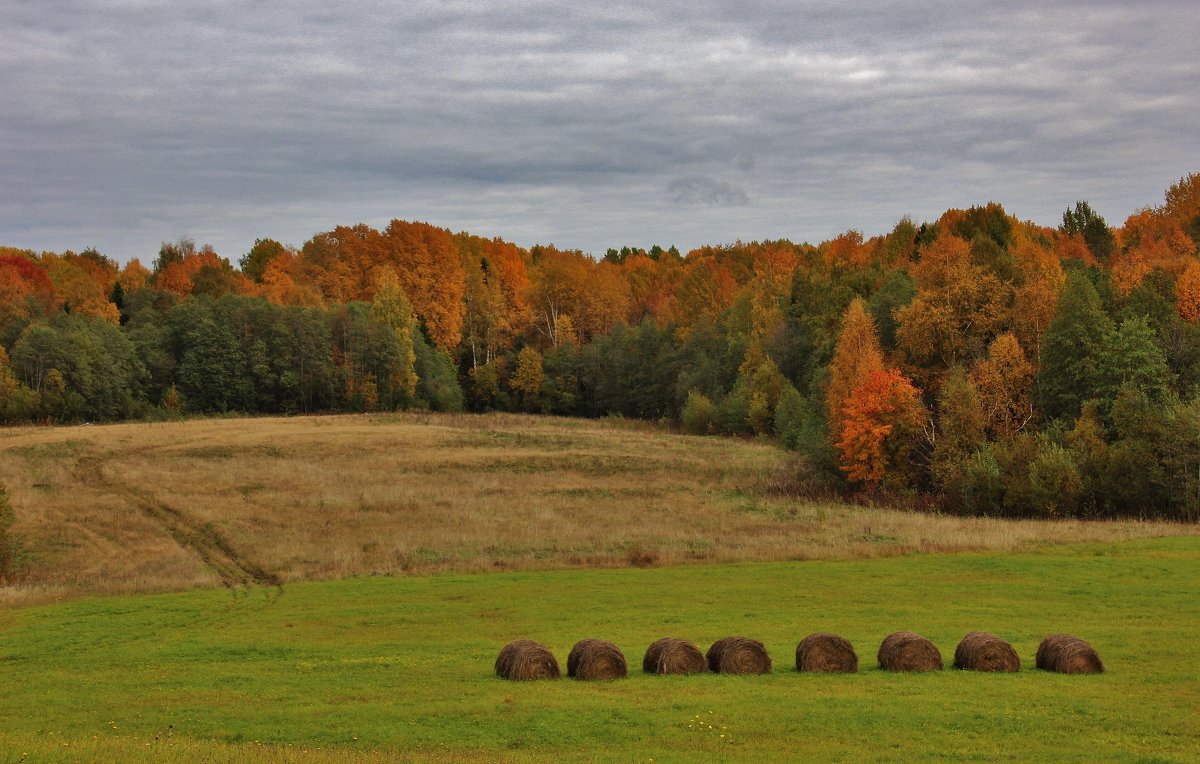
pixel 128 124
pixel 702 191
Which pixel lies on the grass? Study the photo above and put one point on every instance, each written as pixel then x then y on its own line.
pixel 380 668
pixel 169 506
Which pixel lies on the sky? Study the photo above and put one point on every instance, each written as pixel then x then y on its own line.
pixel 127 123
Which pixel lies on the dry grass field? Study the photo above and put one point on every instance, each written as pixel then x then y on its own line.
pixel 153 507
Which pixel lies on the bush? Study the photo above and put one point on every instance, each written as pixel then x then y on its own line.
pixel 699 414
pixel 982 486
pixel 1055 485
pixel 733 413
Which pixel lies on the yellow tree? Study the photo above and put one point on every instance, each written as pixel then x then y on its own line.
pixel 527 379
pixel 1004 381
pixel 604 302
pixel 958 308
pixel 134 276
pixel 1182 203
pixel 392 309
pixel 557 285
pixel 706 289
pixel 1035 300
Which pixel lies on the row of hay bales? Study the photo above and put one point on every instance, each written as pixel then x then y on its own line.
pixel 589 659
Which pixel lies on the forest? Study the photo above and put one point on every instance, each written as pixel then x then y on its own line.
pixel 976 364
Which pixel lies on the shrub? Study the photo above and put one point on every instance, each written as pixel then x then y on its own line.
pixel 699 414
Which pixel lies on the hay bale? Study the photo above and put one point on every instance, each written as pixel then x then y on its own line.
pixel 1066 654
pixel 524 659
pixel 673 656
pixel 906 651
pixel 596 659
pixel 738 655
pixel 980 651
pixel 827 653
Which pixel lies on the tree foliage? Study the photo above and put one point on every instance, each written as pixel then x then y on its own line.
pixel 995 365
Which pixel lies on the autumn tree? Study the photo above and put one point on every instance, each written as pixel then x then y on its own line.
pixel 83 282
pixel 494 296
pixel 1035 299
pixel 26 292
pixel 1187 293
pixel 959 306
pixel 960 432
pixel 134 276
pixel 879 418
pixel 847 251
pixel 340 262
pixel 557 287
pixel 173 252
pixel 1004 381
pixel 391 309
pixel 604 300
pixel 706 290
pixel 856 357
pixel 527 379
pixel 1182 204
pixel 652 285
pixel 283 282
pixel 430 270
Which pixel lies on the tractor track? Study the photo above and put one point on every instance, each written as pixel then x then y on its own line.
pixel 201 537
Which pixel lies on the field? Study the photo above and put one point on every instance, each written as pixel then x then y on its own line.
pixel 371 668
pixel 336 589
pixel 161 507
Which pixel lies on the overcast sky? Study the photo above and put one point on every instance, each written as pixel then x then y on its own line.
pixel 587 125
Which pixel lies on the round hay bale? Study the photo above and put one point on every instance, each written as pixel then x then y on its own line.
pixel 524 659
pixel 980 651
pixel 673 656
pixel 906 651
pixel 826 653
pixel 1065 654
pixel 738 655
pixel 596 659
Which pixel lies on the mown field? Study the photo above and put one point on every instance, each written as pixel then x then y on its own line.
pixel 380 668
pixel 162 507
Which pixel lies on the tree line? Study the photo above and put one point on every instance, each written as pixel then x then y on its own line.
pixel 979 362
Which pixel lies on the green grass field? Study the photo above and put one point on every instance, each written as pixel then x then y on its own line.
pixel 379 668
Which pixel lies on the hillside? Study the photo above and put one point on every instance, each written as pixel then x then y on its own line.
pixel 204 503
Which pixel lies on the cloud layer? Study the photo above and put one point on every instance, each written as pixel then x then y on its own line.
pixel 587 125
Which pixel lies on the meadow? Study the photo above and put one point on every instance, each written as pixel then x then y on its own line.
pixel 153 507
pixel 386 667
pixel 337 588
